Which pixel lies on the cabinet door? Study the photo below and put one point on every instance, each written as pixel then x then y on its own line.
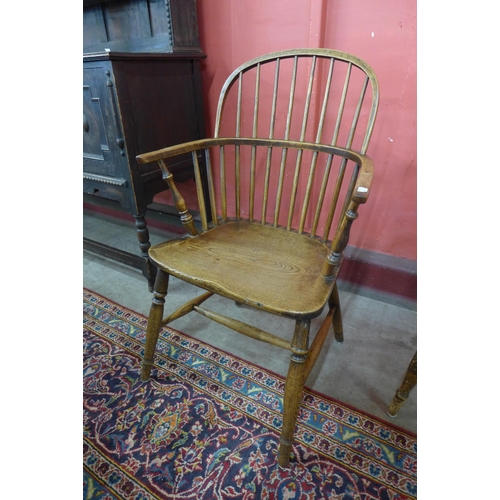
pixel 103 142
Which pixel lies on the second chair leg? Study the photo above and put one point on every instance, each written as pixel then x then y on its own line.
pixel 154 322
pixel 334 301
pixel 404 389
pixel 294 387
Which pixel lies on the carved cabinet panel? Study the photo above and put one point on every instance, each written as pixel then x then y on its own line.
pixel 132 105
pixel 141 91
pixel 103 141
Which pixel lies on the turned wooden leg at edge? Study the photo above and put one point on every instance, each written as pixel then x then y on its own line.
pixel 406 386
pixel 294 388
pixel 334 301
pixel 154 322
pixel 148 270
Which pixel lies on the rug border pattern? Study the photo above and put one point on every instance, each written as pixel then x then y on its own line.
pixel 314 407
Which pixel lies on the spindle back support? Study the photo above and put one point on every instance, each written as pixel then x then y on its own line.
pixel 273 114
pixel 313 95
pixel 317 96
pixel 259 180
pixel 253 179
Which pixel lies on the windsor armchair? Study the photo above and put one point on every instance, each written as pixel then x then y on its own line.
pixel 286 172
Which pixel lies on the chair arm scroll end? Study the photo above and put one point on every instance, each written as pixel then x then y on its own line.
pixel 363 182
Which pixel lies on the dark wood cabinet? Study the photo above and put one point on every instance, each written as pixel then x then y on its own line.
pixel 141 91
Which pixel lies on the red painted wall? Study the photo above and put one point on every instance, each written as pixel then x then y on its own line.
pixel 383 33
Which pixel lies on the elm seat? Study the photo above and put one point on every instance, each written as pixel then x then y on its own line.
pixel 218 259
pixel 278 187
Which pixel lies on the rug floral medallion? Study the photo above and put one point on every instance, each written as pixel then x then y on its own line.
pixel 206 426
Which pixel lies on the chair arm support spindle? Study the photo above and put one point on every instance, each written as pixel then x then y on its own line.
pixel 179 202
pixel 339 243
pixel 359 195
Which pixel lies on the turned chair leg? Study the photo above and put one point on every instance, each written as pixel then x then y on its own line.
pixel 294 388
pixel 154 322
pixel 406 386
pixel 334 301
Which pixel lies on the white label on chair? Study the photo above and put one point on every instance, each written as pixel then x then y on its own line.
pixel 362 190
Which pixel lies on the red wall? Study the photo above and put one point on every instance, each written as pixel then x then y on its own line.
pixel 383 33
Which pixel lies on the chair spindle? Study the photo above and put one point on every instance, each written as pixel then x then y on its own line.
pixel 336 194
pixel 223 188
pixel 341 105
pixel 292 98
pixel 307 107
pixel 325 102
pixel 237 181
pixel 179 202
pixel 254 135
pixel 238 106
pixel 211 188
pixel 321 197
pixel 307 196
pixel 266 184
pixel 199 191
pixel 295 187
pixel 279 192
pixel 275 98
pixel 356 114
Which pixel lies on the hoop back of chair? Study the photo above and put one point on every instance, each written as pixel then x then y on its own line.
pixel 313 95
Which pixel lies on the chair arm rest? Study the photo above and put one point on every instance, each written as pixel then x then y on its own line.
pixel 188 147
pixel 178 149
pixel 359 194
pixel 363 183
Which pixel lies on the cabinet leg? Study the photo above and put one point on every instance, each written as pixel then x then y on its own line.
pixel 148 270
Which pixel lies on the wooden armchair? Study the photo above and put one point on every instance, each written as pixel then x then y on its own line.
pixel 284 184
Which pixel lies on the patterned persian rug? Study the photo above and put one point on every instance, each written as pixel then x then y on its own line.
pixel 206 426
